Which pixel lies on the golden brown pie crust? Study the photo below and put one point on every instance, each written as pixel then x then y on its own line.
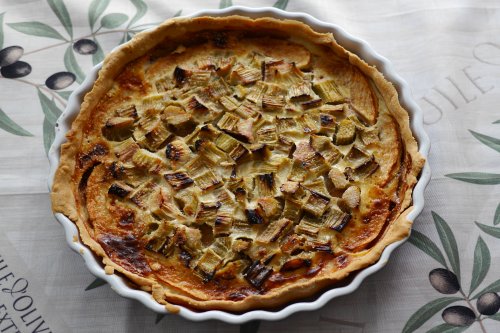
pixel 114 222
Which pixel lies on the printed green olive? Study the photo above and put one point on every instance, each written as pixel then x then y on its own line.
pixel 16 70
pixel 458 315
pixel 85 46
pixel 488 304
pixel 60 80
pixel 444 281
pixel 10 55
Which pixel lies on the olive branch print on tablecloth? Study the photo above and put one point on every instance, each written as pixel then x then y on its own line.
pixel 481 178
pixel 447 280
pixel 52 93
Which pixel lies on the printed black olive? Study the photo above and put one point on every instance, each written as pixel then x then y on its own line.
pixel 85 46
pixel 488 304
pixel 458 316
pixel 16 70
pixel 10 55
pixel 444 281
pixel 60 80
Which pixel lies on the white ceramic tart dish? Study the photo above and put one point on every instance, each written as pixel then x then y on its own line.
pixel 239 164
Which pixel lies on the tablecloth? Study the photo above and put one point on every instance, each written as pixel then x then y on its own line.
pixel 448 51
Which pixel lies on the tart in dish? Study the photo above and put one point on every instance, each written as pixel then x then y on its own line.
pixel 235 163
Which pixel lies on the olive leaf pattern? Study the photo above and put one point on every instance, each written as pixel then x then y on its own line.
pixel 459 318
pixel 225 3
pixel 446 328
pixel 492 230
pixel 481 178
pixel 281 4
pixel 8 56
pixel 95 284
pixel 447 280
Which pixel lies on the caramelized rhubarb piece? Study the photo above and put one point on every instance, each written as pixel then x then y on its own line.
pixel 120 190
pixel 164 85
pixel 363 171
pixel 218 88
pixel 178 180
pixel 165 207
pixel 300 91
pixel 357 157
pixel 209 152
pixel 316 185
pixel 294 264
pixel 346 132
pixel 177 152
pixel 335 219
pixel 328 91
pixel 254 216
pixel 292 209
pixel 257 273
pixel 308 226
pixel 180 75
pixel 328 124
pixel 127 111
pixel 316 203
pixel 310 160
pixel 178 121
pixel 120 123
pixel 256 92
pixel 265 185
pixel 194 105
pixel 298 172
pixel 274 231
pixel 286 125
pixel 207 180
pixel 229 103
pixel 208 263
pixel 143 193
pixel 247 110
pixel 222 225
pixel 270 207
pixel 245 75
pixel 199 78
pixel 289 187
pixel 338 178
pixel 307 123
pixel 126 149
pixel 147 160
pixel 154 139
pixel 207 212
pixel 324 146
pixel 369 135
pixel 229 123
pixel 351 197
pixel 213 257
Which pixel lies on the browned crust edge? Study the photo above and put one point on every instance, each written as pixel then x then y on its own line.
pixel 63 189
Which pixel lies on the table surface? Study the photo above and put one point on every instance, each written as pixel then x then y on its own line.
pixel 448 51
